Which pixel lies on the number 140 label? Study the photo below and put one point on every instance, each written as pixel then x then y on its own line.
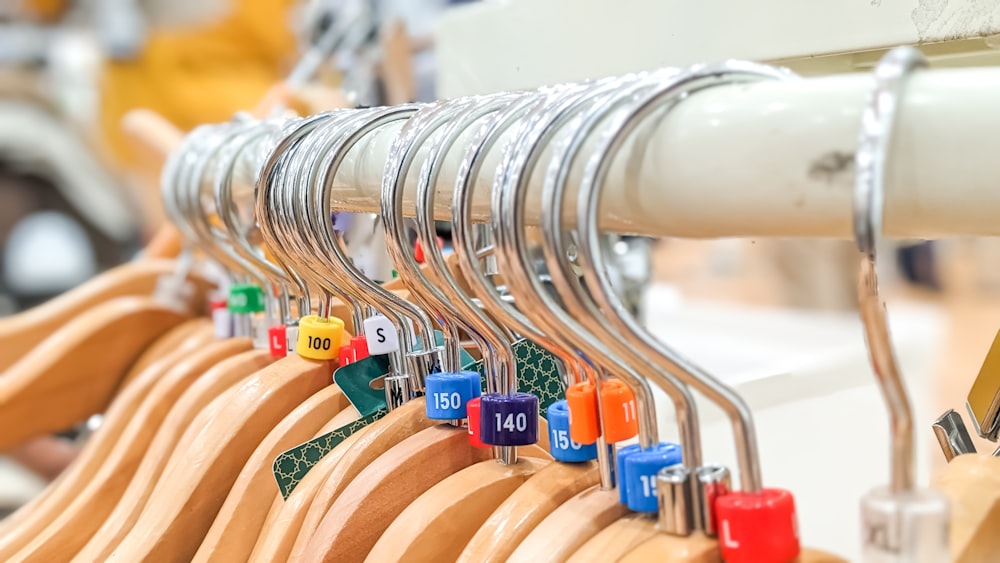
pixel 512 422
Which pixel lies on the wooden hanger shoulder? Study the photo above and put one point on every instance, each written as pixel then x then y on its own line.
pixel 514 519
pixel 373 441
pixel 617 539
pixel 568 527
pixel 22 331
pixel 809 555
pixel 239 521
pixel 76 524
pixel 382 490
pixel 301 513
pixel 89 462
pixel 972 484
pixel 211 454
pixel 180 335
pixel 440 522
pixel 35 517
pixel 285 516
pixel 221 377
pixel 74 372
pixel 696 548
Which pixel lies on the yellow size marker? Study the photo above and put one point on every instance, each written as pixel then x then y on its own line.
pixel 319 338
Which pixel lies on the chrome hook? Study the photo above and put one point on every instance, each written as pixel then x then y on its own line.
pixel 901 522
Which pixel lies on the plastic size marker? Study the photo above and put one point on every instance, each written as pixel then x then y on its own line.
pixel 359 347
pixel 509 420
pixel 474 410
pixel 277 341
pixel 581 404
pixel 757 527
pixel 346 355
pixel 245 299
pixel 381 335
pixel 448 394
pixel 319 339
pixel 222 319
pixel 561 445
pixel 618 410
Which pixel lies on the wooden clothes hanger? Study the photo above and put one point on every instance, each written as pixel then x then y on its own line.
pixel 75 525
pixel 259 509
pixel 623 535
pixel 239 520
pixel 382 490
pixel 20 332
pixel 31 519
pixel 189 335
pixel 196 479
pixel 296 519
pixel 462 501
pixel 569 526
pixel 285 515
pixel 521 512
pixel 971 483
pixel 454 508
pixel 75 372
pixel 225 375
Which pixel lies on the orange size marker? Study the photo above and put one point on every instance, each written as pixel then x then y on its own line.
pixel 581 399
pixel 618 410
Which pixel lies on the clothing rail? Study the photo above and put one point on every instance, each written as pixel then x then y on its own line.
pixel 773 159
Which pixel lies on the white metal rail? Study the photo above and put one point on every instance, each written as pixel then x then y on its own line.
pixel 775 160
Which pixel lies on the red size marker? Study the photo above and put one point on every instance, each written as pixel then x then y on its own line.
pixel 359 344
pixel 277 341
pixel 346 355
pixel 758 527
pixel 473 409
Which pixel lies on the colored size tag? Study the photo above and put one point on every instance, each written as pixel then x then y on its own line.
pixel 222 322
pixel 345 356
pixel 291 338
pixel 319 339
pixel 381 335
pixel 246 298
pixel 276 341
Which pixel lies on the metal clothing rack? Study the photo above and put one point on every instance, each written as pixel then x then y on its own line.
pixel 771 159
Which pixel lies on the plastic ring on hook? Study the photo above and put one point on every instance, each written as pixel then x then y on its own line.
pixel 449 393
pixel 561 444
pixel 509 419
pixel 319 339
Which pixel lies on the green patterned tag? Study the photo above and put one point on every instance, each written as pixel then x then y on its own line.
pixel 537 373
pixel 291 466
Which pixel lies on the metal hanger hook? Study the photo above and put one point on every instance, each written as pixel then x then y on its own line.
pixel 874 142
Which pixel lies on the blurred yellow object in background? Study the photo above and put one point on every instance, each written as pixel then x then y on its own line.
pixel 45 10
pixel 200 73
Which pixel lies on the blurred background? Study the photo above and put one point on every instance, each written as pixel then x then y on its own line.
pixel 79 194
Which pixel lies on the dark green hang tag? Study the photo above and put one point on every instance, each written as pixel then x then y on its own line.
pixel 537 373
pixel 355 380
pixel 291 466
